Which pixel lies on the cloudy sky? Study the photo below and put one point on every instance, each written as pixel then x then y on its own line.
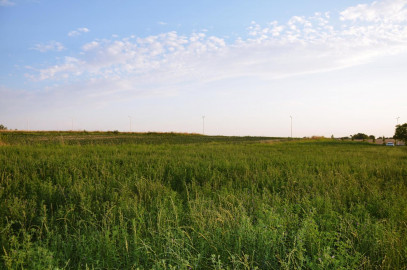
pixel 336 67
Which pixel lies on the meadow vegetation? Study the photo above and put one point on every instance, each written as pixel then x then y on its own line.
pixel 181 201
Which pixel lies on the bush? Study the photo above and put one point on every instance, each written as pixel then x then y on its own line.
pixel 360 136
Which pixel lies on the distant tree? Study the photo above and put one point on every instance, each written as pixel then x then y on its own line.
pixel 332 137
pixel 401 133
pixel 384 140
pixel 3 127
pixel 360 136
pixel 372 137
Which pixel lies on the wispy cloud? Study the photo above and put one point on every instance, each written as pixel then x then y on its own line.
pixel 302 45
pixel 162 23
pixel 78 31
pixel 64 71
pixel 385 11
pixel 90 46
pixel 50 46
pixel 6 3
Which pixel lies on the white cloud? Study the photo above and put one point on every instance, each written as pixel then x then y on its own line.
pixel 78 31
pixel 303 45
pixel 69 68
pixel 90 45
pixel 385 10
pixel 6 3
pixel 50 46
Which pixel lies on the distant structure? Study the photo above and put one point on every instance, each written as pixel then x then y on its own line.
pixel 130 122
pixel 203 124
pixel 291 126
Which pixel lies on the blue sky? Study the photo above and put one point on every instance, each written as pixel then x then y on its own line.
pixel 337 67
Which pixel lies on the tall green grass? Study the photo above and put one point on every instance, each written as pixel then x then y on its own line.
pixel 206 204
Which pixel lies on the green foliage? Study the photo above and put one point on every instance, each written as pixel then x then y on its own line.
pixel 150 201
pixel 360 136
pixel 3 127
pixel 116 138
pixel 401 133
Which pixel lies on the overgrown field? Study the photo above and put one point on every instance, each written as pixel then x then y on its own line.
pixel 153 202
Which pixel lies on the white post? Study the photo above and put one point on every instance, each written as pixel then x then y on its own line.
pixel 203 124
pixel 130 122
pixel 291 126
pixel 397 118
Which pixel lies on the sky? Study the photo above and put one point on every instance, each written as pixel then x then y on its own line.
pixel 336 67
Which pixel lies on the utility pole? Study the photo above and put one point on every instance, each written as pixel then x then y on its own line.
pixel 397 118
pixel 203 124
pixel 291 126
pixel 130 122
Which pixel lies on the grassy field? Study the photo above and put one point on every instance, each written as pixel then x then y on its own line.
pixel 179 201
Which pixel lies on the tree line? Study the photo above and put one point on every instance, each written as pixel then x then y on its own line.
pixel 399 134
